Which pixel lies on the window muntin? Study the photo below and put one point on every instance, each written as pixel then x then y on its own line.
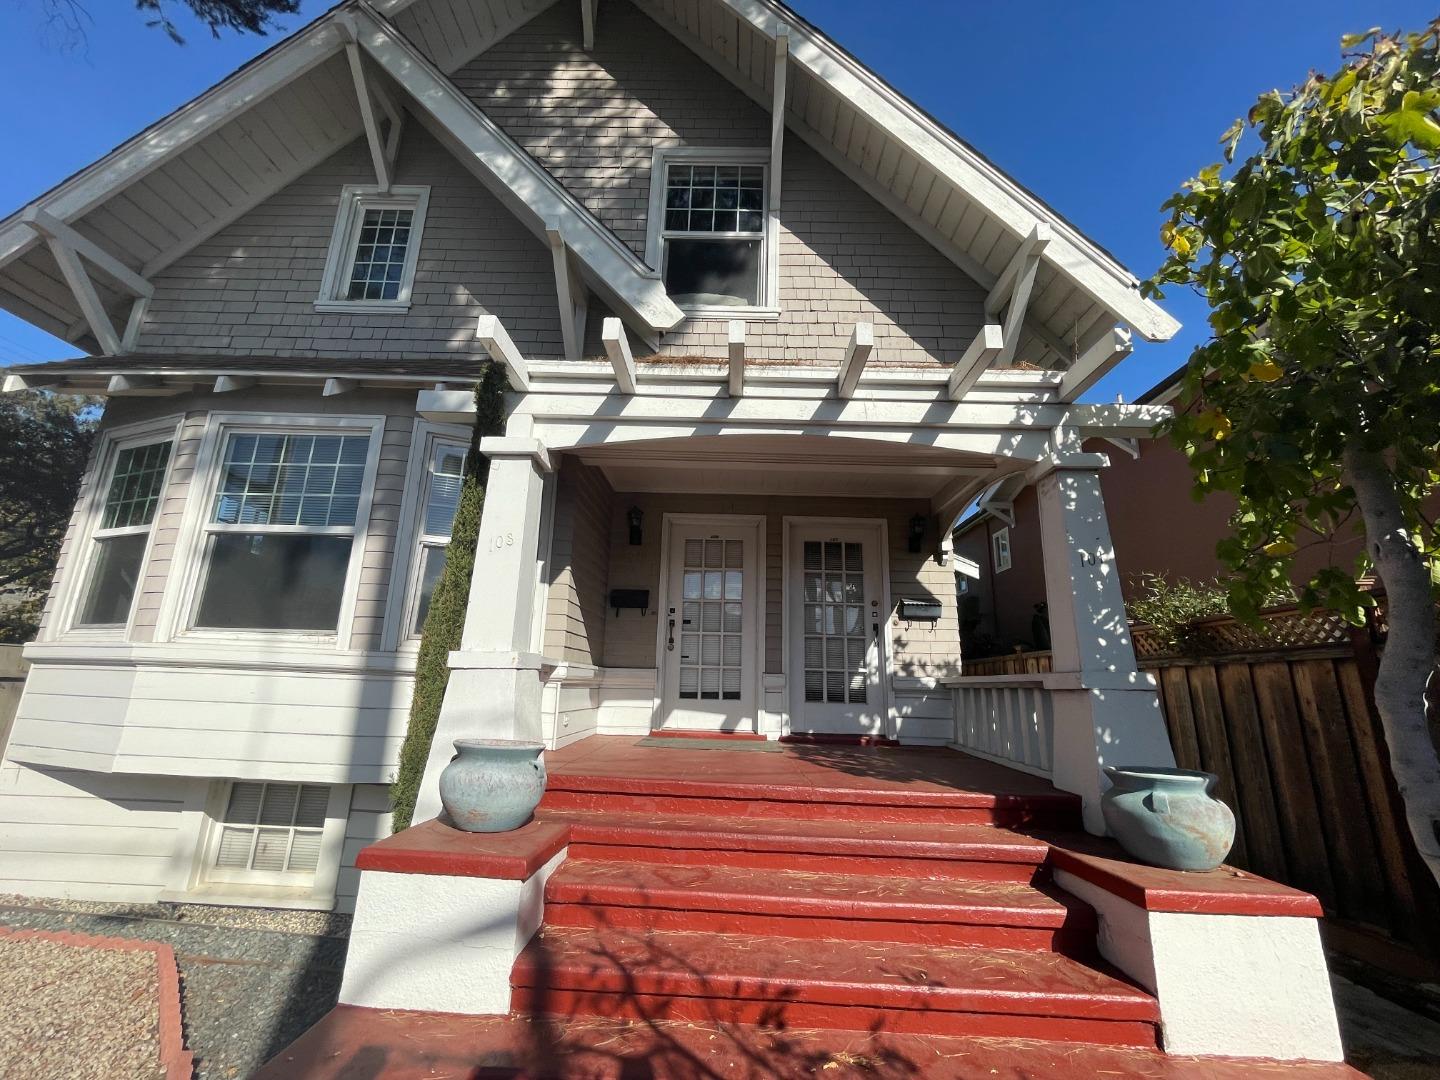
pixel 444 478
pixel 132 499
pixel 374 249
pixel 713 234
pixel 1000 543
pixel 281 530
pixel 836 664
pixel 712 623
pixel 270 829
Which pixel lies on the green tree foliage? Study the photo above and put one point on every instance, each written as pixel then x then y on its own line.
pixel 45 440
pixel 1319 255
pixel 445 620
pixel 70 19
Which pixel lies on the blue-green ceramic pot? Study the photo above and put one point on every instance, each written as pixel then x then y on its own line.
pixel 1168 817
pixel 492 785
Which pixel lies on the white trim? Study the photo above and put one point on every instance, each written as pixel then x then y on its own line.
pixel 886 658
pixel 660 158
pixel 668 522
pixel 79 565
pixel 182 595
pixel 405 565
pixel 355 199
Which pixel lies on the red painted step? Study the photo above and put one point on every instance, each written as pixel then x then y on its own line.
pixel 579 791
pixel 951 851
pixel 847 907
pixel 808 983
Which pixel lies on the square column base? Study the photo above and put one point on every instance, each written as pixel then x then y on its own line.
pixel 1098 726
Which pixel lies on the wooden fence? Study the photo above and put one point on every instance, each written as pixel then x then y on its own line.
pixel 1289 727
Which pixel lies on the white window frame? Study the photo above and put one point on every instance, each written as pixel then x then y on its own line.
pixel 320 882
pixel 178 615
pixel 655 237
pixel 1000 549
pixel 404 591
pixel 355 199
pixel 80 561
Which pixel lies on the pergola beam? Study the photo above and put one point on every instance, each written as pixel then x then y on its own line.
pixel 857 352
pixel 980 355
pixel 1094 362
pixel 617 347
pixel 570 293
pixel 493 337
pixel 736 345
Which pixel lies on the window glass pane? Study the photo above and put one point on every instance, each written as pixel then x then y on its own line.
pixel 274 582
pixel 235 848
pixel 291 480
pixel 244 806
pixel 113 579
pixel 381 244
pixel 715 198
pixel 721 273
pixel 432 563
pixel 135 486
pixel 447 472
pixel 304 852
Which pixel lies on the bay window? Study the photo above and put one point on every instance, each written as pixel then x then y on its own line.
pixel 121 536
pixel 280 530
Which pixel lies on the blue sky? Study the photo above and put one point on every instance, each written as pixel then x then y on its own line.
pixel 1102 109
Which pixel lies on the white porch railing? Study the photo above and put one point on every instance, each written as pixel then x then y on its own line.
pixel 1006 718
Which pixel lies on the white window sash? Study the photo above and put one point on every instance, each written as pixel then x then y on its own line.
pixel 331 834
pixel 355 199
pixel 81 567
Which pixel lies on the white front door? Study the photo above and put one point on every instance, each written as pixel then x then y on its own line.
pixel 710 627
pixel 836 622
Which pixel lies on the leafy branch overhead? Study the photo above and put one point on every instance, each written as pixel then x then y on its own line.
pixel 1320 258
pixel 1316 401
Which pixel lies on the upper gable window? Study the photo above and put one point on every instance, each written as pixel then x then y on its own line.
pixel 710 230
pixel 374 249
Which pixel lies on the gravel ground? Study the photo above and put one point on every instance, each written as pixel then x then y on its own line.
pixel 87 1013
pixel 251 979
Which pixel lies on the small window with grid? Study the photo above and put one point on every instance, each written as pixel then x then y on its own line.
pixel 132 499
pixel 712 620
pixel 1001 544
pixel 713 234
pixel 374 249
pixel 270 831
pixel 836 665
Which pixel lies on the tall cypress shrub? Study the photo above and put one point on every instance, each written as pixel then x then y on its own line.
pixel 445 620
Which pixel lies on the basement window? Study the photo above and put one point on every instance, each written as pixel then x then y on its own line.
pixel 374 250
pixel 710 231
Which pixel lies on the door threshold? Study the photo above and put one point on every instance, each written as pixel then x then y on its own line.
pixel 817 738
pixel 693 733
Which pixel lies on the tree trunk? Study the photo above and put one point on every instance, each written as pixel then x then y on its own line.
pixel 1408 661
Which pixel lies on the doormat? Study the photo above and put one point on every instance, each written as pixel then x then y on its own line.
pixel 752 745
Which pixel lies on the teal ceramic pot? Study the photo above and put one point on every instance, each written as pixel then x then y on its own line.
pixel 492 785
pixel 1168 817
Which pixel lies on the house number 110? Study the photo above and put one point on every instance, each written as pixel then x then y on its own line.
pixel 501 540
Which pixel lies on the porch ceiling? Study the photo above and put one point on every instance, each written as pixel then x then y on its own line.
pixel 789 465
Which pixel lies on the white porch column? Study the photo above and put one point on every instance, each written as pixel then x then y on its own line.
pixel 1113 716
pixel 494 688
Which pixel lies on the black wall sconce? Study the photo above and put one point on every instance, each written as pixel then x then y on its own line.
pixel 636 518
pixel 917 532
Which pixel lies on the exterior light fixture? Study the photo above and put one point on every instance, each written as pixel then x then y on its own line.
pixel 636 518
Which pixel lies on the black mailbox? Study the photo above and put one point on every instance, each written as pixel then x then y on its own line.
pixel 919 610
pixel 630 598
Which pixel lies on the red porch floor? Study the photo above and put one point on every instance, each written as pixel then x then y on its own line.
pixel 368 1044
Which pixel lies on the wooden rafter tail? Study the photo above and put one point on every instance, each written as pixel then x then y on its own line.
pixel 494 338
pixel 617 347
pixel 336 387
pixel 857 353
pixel 1112 347
pixel 226 384
pixel 736 344
pixel 978 356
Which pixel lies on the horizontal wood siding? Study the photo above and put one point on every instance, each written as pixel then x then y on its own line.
pixel 381 558
pixel 87 835
pixel 580 565
pixel 368 822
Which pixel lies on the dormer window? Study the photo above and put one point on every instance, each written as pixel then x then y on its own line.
pixel 710 230
pixel 374 249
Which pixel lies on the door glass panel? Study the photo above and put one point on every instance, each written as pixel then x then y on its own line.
pixel 712 645
pixel 835 643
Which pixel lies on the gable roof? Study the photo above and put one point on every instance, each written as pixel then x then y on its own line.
pixel 160 194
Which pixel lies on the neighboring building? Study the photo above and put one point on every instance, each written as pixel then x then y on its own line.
pixel 1157 526
pixel 767 329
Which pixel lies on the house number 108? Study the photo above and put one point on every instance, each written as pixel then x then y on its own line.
pixel 502 540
